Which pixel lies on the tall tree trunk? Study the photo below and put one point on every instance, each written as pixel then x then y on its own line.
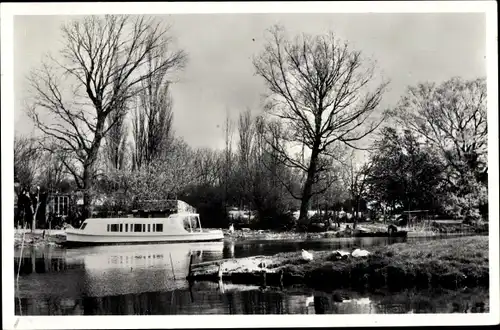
pixel 88 167
pixel 307 191
pixel 87 183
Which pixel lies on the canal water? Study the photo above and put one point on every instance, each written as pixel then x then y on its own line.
pixel 150 280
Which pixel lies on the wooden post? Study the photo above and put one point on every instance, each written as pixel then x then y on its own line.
pixel 219 273
pixel 172 264
pixel 20 257
pixel 190 263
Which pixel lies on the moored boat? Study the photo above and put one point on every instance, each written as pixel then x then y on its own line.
pixel 176 228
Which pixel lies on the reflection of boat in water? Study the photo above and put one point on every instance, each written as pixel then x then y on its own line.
pixel 178 227
pixel 123 256
pixel 115 270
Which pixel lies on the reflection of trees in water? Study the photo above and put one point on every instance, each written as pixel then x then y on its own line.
pixel 258 302
pixel 206 299
pixel 49 306
pixel 41 261
pixel 179 302
pixel 147 303
pixel 435 301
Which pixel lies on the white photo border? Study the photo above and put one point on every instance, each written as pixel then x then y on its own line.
pixel 11 321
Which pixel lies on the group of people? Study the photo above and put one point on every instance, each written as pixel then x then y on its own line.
pixel 25 208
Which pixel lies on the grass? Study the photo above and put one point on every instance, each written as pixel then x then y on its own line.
pixel 447 263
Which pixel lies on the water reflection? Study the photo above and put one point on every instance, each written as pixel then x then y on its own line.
pixel 206 299
pixel 150 279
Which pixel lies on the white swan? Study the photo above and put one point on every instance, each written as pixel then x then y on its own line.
pixel 360 253
pixel 307 255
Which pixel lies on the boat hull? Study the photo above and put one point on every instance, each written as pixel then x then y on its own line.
pixel 78 239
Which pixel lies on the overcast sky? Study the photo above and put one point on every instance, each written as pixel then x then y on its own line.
pixel 409 48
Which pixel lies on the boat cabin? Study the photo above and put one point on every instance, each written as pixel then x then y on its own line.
pixel 175 223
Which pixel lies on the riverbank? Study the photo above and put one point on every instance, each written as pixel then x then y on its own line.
pixel 38 237
pixel 363 229
pixel 449 263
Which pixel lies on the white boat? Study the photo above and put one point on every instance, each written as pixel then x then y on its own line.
pixel 176 228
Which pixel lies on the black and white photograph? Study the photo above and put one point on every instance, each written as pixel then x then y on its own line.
pixel 237 158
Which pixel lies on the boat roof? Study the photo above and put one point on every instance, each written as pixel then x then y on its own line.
pixel 183 214
pixel 172 216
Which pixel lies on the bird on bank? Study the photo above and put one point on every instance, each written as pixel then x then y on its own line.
pixel 307 255
pixel 339 254
pixel 309 300
pixel 231 228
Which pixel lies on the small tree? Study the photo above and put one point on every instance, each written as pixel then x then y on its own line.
pixel 27 160
pixel 404 172
pixel 355 178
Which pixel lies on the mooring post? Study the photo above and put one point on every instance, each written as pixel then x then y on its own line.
pixel 190 263
pixel 172 264
pixel 219 273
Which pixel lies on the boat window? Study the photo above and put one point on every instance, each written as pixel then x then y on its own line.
pixel 137 227
pixel 126 227
pixel 159 227
pixel 186 224
pixel 83 226
pixel 114 227
pixel 121 227
pixel 194 222
pixel 149 227
pixel 108 228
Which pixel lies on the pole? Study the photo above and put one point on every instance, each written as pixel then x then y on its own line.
pixel 190 264
pixel 172 264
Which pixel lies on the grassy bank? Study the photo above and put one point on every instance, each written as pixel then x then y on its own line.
pixel 448 263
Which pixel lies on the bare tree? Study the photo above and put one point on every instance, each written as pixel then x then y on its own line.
pixel 208 167
pixel 228 154
pixel 246 134
pixel 54 172
pixel 153 118
pixel 27 160
pixel 319 92
pixel 115 147
pixel 355 178
pixel 104 63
